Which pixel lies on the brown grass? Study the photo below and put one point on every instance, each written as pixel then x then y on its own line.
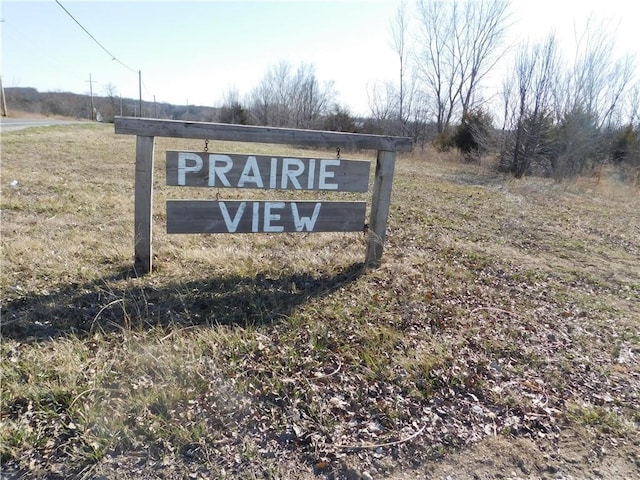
pixel 502 308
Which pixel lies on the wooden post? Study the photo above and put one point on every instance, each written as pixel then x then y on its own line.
pixel 380 202
pixel 143 204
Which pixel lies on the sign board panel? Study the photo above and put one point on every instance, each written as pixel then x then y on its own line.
pixel 204 169
pixel 247 216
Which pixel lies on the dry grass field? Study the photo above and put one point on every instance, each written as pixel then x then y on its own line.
pixel 500 338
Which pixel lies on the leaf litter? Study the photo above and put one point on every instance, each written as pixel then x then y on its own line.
pixel 488 325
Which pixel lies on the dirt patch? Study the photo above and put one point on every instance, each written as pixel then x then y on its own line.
pixel 571 456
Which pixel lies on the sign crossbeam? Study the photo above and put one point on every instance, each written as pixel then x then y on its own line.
pixel 151 127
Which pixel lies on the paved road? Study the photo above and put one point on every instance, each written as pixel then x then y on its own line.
pixel 11 124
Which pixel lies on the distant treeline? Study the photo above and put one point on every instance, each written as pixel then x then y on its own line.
pixel 285 98
pixel 105 108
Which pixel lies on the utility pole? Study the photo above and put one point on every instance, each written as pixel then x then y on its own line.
pixel 155 106
pixel 140 89
pixel 91 93
pixel 3 100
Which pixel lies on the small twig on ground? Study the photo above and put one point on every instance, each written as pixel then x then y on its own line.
pixel 117 300
pixel 494 309
pixel 321 376
pixel 366 446
pixel 80 395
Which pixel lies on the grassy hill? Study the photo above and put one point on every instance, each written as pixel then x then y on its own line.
pixel 499 337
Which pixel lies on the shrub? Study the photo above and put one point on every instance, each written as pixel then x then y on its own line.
pixel 474 134
pixel 340 120
pixel 626 146
pixel 234 113
pixel 531 148
pixel 580 144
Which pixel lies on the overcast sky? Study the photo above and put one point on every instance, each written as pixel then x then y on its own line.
pixel 192 52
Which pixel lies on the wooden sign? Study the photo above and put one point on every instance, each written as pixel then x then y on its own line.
pixel 254 171
pixel 203 169
pixel 212 216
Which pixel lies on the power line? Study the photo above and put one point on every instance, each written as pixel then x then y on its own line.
pixel 146 88
pixel 113 57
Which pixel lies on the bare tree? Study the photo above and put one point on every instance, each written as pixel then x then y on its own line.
pixel 459 42
pixel 592 102
pixel 262 102
pixel 288 98
pixel 232 110
pixel 113 97
pixel 278 80
pixel 418 125
pixel 308 100
pixel 528 106
pixel 383 105
pixel 399 33
pixel 269 97
pixel 598 81
pixel 633 113
pixel 230 96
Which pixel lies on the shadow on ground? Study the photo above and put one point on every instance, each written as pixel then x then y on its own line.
pixel 81 309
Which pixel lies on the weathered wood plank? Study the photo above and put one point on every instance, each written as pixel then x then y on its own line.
pixel 249 133
pixel 204 169
pixel 143 204
pixel 211 216
pixel 380 202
